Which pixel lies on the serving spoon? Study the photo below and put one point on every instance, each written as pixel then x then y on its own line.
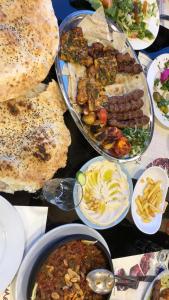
pixel 102 281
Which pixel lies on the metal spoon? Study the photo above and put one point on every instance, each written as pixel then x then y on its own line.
pixel 102 281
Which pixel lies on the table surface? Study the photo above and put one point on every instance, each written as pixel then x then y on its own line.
pixel 124 239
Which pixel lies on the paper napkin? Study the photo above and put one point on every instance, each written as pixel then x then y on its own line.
pixel 34 222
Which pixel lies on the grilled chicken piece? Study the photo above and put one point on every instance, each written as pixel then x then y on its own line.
pixel 126 115
pixel 137 122
pixel 106 69
pixel 74 47
pixel 89 92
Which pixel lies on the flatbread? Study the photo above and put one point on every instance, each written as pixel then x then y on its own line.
pixel 29 38
pixel 34 139
pixel 95 29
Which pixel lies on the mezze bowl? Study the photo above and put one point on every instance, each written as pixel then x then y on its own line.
pixel 64 244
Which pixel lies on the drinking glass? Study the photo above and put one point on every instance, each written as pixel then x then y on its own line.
pixel 61 192
pixel 162 260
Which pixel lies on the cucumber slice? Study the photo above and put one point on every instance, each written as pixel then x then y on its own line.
pixel 81 177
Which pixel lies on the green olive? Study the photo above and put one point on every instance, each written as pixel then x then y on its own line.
pixel 164 109
pixel 157 97
pixel 89 119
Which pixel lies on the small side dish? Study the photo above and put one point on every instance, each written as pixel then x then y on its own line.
pixel 139 19
pixel 106 194
pixel 159 289
pixel 158 80
pixel 148 201
pixel 161 90
pixel 63 273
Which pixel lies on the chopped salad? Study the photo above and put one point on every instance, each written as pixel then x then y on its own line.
pixel 130 15
pixel 161 90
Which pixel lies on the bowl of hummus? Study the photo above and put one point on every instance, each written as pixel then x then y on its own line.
pixel 107 191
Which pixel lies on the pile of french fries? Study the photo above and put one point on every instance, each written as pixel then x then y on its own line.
pixel 148 204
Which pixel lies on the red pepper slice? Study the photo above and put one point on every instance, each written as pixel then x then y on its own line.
pixel 103 116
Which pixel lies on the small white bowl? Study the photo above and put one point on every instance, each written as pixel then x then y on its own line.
pixel 123 214
pixel 156 173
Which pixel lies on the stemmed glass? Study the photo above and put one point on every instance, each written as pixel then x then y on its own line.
pixel 162 260
pixel 65 193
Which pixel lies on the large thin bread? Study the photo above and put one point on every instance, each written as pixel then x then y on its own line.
pixel 34 139
pixel 29 38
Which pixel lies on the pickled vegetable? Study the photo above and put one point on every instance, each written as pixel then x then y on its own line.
pixel 164 109
pixel 157 97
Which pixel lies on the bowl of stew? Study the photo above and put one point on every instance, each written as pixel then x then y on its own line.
pixel 60 271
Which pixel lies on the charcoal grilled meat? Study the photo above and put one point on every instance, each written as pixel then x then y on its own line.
pixel 127 64
pixel 126 115
pixel 106 69
pixel 131 68
pixel 74 47
pixel 125 106
pixel 155 295
pixel 137 122
pixel 134 95
pixel 98 50
pixel 89 92
pixel 125 58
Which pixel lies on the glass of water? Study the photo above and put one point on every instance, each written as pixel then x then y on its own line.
pixel 162 260
pixel 61 192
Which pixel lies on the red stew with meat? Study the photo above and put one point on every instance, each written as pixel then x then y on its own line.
pixel 63 275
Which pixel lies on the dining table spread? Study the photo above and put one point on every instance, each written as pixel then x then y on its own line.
pixel 130 248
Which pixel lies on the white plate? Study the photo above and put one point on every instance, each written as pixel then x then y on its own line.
pixel 156 173
pixel 39 246
pixel 12 242
pixel 122 216
pixel 153 25
pixel 148 292
pixel 152 74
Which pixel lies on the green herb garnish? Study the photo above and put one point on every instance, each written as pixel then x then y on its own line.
pixel 166 65
pixel 138 137
pixel 156 82
pixel 165 85
pixel 163 102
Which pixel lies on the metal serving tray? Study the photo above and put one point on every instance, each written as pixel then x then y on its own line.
pixel 72 21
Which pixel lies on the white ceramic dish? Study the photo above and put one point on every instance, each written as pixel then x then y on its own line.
pixel 40 245
pixel 156 173
pixel 153 24
pixel 153 73
pixel 12 242
pixel 148 292
pixel 122 216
